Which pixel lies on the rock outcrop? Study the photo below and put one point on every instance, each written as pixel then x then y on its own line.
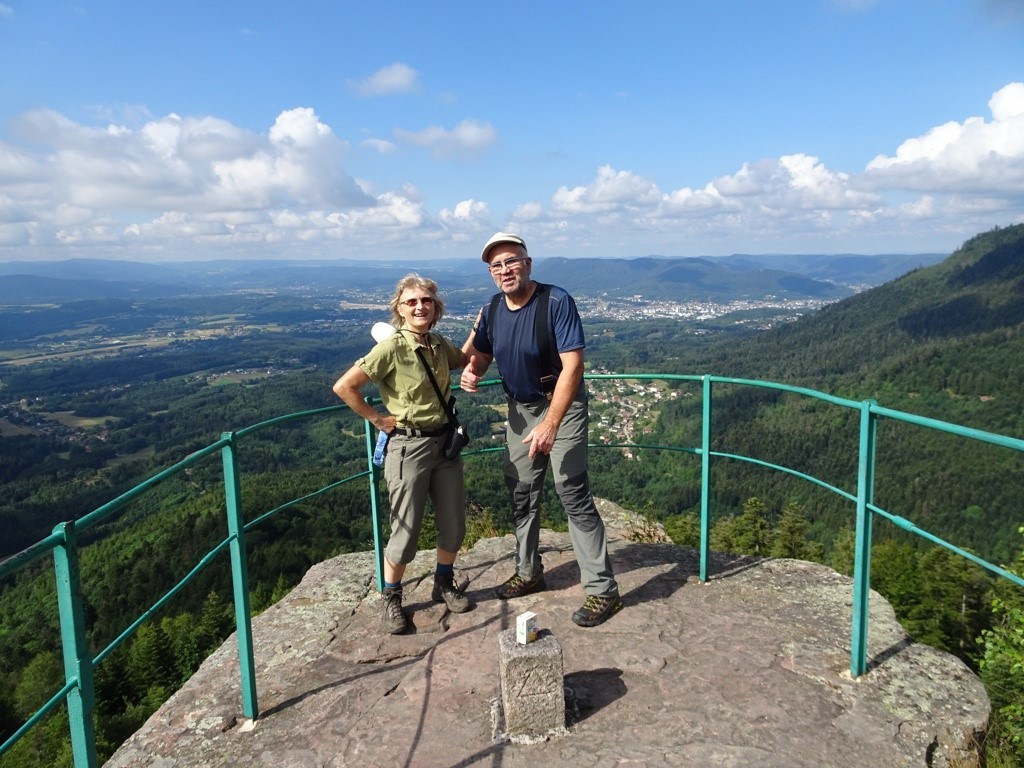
pixel 749 669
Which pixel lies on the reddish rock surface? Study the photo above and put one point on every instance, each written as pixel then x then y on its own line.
pixel 749 669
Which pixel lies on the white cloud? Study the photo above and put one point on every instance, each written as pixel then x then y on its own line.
pixel 468 210
pixel 611 190
pixel 16 165
pixel 527 212
pixel 794 187
pixel 392 79
pixel 467 138
pixel 6 11
pixel 465 220
pixel 922 208
pixel 792 181
pixel 973 156
pixel 382 146
pixel 1008 102
pixel 179 180
pixel 314 231
pixel 299 127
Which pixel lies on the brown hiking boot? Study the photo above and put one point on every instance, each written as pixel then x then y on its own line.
pixel 391 614
pixel 597 610
pixel 447 592
pixel 517 586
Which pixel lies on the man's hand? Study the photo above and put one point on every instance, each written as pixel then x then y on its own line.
pixel 470 378
pixel 541 438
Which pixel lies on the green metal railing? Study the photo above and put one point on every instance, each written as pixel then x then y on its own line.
pixel 79 665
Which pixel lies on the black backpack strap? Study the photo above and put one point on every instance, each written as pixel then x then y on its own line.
pixel 492 312
pixel 551 363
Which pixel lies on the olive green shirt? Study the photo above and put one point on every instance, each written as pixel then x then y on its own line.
pixel 404 386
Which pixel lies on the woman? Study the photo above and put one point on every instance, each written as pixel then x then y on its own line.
pixel 415 468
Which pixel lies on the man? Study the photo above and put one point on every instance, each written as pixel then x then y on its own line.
pixel 542 373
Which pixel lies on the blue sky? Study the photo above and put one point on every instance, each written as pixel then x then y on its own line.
pixel 413 130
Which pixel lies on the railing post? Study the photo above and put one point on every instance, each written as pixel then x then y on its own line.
pixel 862 544
pixel 705 477
pixel 81 699
pixel 374 504
pixel 239 576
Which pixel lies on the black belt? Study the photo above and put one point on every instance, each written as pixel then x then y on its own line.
pixel 545 398
pixel 411 432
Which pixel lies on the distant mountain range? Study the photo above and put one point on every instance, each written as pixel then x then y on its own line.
pixel 654 277
pixel 731 277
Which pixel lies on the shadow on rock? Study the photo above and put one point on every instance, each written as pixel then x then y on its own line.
pixel 590 691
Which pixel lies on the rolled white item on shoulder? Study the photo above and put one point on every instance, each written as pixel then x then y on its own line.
pixel 382 331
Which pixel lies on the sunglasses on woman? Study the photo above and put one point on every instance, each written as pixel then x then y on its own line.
pixel 426 301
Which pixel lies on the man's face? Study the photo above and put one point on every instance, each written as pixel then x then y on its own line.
pixel 510 268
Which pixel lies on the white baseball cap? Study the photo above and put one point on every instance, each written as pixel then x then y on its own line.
pixel 501 237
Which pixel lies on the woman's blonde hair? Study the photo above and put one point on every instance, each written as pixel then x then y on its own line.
pixel 413 280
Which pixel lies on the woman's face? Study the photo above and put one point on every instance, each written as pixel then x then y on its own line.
pixel 416 307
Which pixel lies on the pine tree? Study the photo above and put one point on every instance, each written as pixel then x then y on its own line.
pixel 790 538
pixel 952 607
pixel 896 575
pixel 214 623
pixel 752 532
pixel 684 530
pixel 41 678
pixel 841 557
pixel 259 598
pixel 151 660
pixel 721 536
pixel 181 630
pixel 281 588
pixel 47 743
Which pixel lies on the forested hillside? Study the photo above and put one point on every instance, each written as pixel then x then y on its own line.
pixel 944 342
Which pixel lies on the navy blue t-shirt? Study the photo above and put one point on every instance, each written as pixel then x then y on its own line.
pixel 514 345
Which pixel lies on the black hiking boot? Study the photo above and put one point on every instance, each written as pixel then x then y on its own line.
pixel 517 586
pixel 447 592
pixel 392 616
pixel 597 610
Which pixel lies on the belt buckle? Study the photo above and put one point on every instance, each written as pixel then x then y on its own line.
pixel 547 385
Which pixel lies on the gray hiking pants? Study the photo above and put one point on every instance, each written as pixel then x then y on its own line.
pixel 525 479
